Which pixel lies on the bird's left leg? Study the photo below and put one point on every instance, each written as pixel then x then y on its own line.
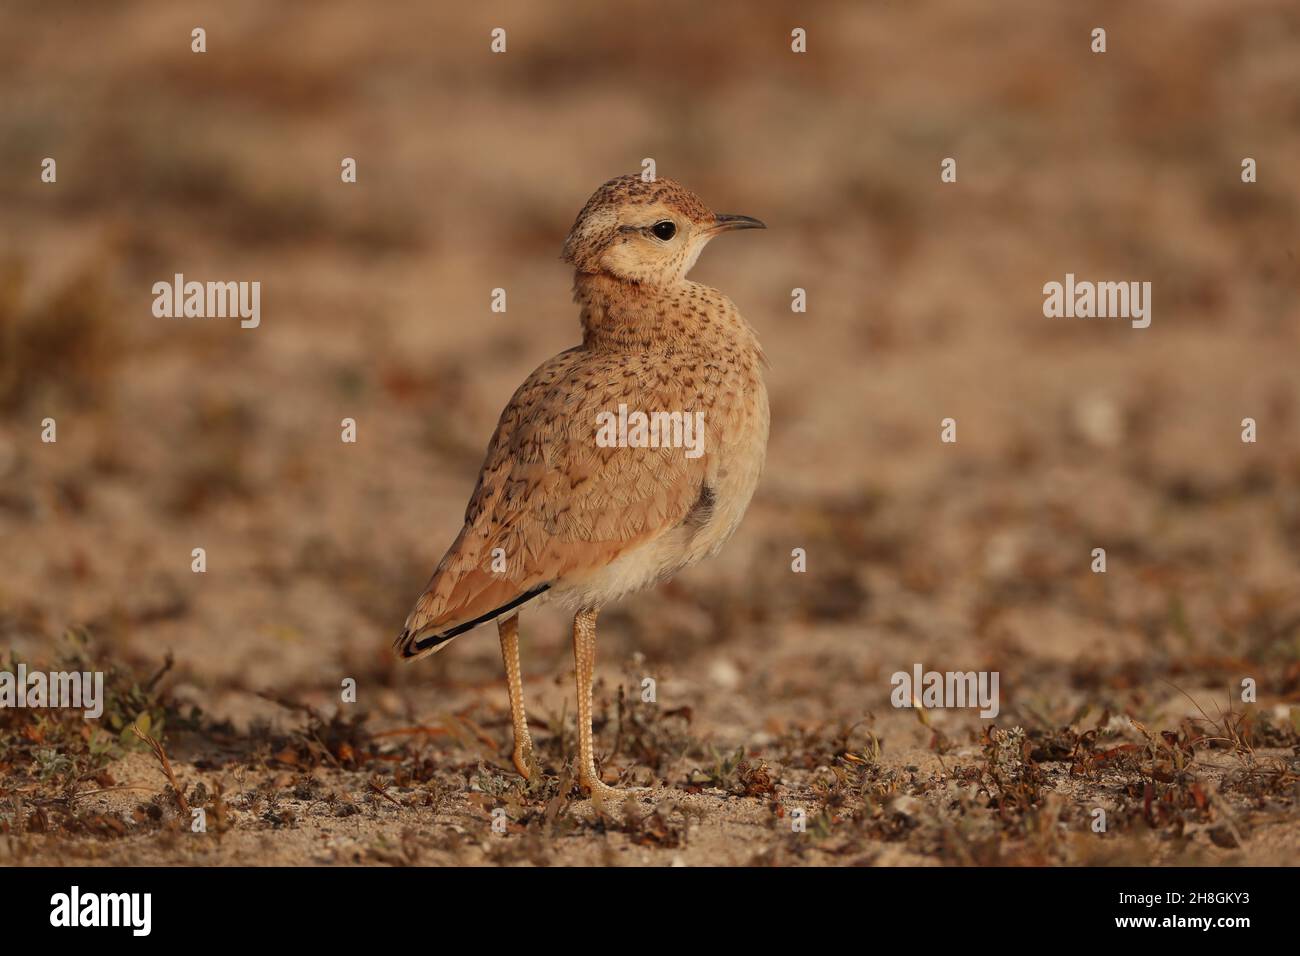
pixel 508 628
pixel 584 659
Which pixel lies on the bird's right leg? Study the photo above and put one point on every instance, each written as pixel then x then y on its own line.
pixel 508 628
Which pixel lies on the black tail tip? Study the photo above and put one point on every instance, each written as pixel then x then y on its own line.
pixel 404 647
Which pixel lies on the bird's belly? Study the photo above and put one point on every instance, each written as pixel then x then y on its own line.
pixel 738 464
pixel 634 570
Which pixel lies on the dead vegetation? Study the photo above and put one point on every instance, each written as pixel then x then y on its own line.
pixel 444 791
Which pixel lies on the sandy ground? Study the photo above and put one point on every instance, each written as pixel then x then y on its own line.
pixel 1119 691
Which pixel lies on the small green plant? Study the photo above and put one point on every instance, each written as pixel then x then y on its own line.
pixel 723 772
pixel 58 745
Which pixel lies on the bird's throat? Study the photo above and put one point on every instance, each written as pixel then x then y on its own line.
pixel 622 315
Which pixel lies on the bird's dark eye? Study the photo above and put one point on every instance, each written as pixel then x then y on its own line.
pixel 664 230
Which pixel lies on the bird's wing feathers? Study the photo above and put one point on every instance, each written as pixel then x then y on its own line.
pixel 556 503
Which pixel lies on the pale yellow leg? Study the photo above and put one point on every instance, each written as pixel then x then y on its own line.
pixel 584 658
pixel 508 628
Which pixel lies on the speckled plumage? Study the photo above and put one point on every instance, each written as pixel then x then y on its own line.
pixel 586 524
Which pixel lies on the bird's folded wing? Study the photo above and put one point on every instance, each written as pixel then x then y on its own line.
pixel 551 502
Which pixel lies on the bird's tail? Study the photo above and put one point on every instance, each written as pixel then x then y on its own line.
pixel 418 641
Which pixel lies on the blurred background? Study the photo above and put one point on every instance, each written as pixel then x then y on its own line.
pixel 924 302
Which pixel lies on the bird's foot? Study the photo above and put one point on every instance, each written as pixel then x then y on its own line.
pixel 611 800
pixel 524 760
pixel 604 797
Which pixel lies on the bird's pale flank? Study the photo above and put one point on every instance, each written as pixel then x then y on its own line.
pixel 557 513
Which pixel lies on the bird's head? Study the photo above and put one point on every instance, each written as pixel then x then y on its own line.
pixel 646 232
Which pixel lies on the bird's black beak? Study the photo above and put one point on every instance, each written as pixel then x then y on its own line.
pixel 725 223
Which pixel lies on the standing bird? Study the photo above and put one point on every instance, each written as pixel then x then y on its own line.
pixel 561 510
